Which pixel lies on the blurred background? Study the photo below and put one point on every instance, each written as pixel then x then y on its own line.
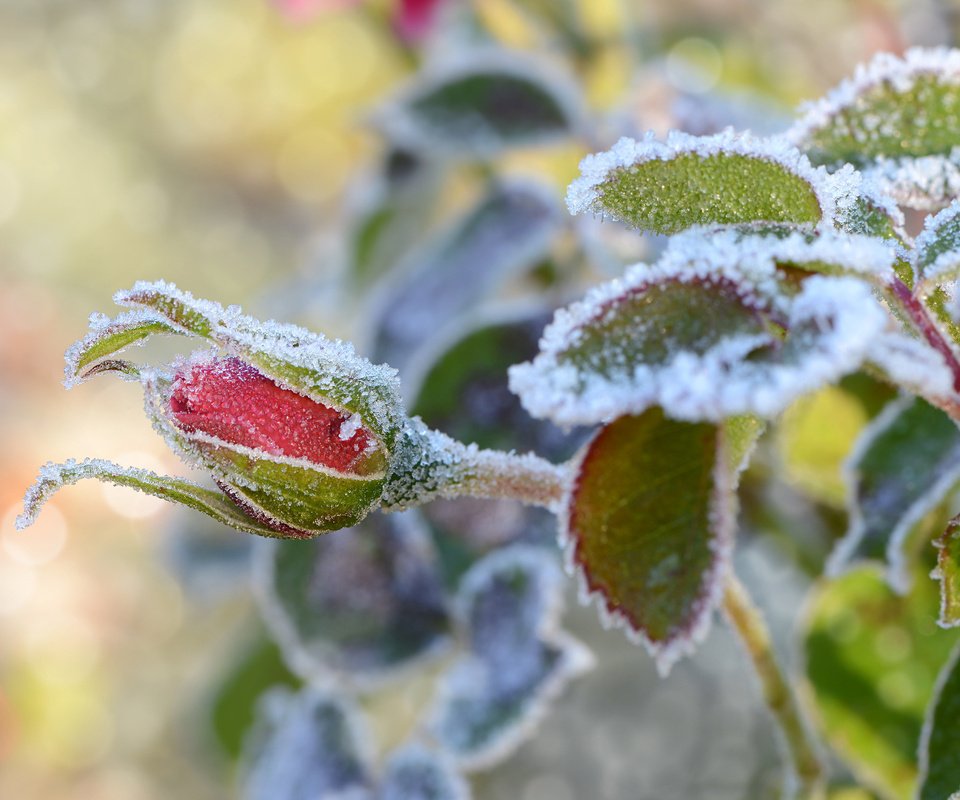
pixel 218 145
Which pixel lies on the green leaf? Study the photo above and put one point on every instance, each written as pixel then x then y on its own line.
pixel 723 179
pixel 947 572
pixel 250 674
pixel 904 463
pixel 464 391
pixel 306 497
pixel 815 436
pixel 649 527
pixel 508 230
pixel 363 604
pixel 940 743
pixel 872 658
pixel 489 102
pixel 214 504
pixel 892 108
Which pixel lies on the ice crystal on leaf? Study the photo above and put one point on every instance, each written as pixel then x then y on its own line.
pixel 727 178
pixel 711 330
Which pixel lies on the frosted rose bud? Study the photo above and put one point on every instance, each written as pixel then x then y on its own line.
pixel 293 463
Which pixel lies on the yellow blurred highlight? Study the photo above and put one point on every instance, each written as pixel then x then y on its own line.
pixel 816 435
pixel 507 23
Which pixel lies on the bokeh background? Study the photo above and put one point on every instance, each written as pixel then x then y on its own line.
pixel 216 144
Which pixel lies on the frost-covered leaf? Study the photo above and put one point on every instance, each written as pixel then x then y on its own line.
pixel 649 527
pixel 416 772
pixel 394 210
pixel 212 503
pixel 327 371
pixel 904 463
pixel 872 658
pixel 483 103
pixel 938 248
pixel 939 752
pixel 307 746
pixel 727 179
pixel 947 572
pixel 892 107
pixel 107 337
pixel 249 674
pixel 508 230
pixel 897 116
pixel 491 699
pixel 464 390
pixel 709 331
pixel 361 604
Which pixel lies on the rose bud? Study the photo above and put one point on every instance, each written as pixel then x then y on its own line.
pixel 300 434
pixel 295 464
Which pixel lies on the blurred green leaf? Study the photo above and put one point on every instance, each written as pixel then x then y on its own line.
pixel 947 572
pixel 940 745
pixel 872 659
pixel 489 102
pixel 251 673
pixel 361 604
pixel 905 462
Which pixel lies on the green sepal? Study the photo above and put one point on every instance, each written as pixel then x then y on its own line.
pixel 311 499
pixel 108 337
pixel 327 371
pixel 176 490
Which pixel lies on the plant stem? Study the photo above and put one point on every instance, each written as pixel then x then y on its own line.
pixel 527 478
pixel 928 329
pixel 746 618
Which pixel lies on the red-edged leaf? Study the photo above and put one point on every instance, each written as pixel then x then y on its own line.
pixel 649 524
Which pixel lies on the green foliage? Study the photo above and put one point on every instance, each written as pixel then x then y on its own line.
pixel 940 745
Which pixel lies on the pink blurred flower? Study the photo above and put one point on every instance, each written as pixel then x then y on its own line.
pixel 412 19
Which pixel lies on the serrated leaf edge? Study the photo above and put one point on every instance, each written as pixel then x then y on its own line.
pixel 722 513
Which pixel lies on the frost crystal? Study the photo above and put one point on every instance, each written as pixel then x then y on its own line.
pixel 926 183
pixel 938 246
